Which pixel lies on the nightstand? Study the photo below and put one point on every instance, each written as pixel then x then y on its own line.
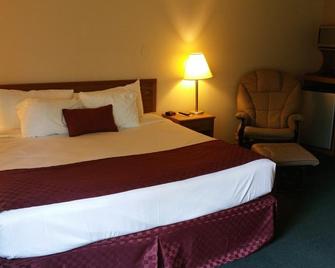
pixel 203 123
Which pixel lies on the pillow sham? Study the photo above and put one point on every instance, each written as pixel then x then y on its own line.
pixel 89 120
pixel 131 88
pixel 124 106
pixel 51 93
pixel 9 98
pixel 43 117
pixel 136 88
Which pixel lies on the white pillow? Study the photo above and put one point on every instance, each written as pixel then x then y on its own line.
pixel 51 93
pixel 10 98
pixel 125 109
pixel 133 87
pixel 136 88
pixel 43 117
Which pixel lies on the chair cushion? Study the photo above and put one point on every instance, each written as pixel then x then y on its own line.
pixel 286 154
pixel 268 133
pixel 269 97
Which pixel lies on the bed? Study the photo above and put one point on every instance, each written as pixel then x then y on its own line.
pixel 177 198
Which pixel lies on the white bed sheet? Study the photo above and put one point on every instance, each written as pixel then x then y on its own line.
pixel 54 228
pixel 155 134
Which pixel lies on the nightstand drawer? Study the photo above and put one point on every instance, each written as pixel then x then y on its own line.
pixel 198 125
pixel 203 123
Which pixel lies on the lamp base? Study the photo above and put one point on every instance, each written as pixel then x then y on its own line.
pixel 197 112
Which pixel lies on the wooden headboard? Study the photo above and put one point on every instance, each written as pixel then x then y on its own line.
pixel 148 88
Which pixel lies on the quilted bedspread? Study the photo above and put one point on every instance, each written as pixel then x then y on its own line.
pixel 40 186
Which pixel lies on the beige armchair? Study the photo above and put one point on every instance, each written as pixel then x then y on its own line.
pixel 268 104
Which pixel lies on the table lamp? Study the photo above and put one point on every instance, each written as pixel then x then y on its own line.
pixel 196 68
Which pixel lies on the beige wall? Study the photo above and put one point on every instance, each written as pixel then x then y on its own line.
pixel 329 12
pixel 71 40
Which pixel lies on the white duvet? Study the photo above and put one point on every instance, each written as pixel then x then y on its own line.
pixel 54 228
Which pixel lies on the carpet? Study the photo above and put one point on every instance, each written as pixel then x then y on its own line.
pixel 305 231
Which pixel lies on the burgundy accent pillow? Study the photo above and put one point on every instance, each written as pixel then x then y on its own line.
pixel 90 120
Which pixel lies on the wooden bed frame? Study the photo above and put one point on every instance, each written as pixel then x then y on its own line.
pixel 148 88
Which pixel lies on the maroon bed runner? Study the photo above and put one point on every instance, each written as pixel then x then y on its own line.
pixel 40 186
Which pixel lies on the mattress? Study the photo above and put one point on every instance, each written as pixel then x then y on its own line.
pixel 48 229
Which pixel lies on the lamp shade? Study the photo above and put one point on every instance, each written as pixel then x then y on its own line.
pixel 196 67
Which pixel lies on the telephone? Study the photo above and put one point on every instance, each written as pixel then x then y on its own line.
pixel 170 113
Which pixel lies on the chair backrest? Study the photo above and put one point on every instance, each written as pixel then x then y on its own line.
pixel 269 97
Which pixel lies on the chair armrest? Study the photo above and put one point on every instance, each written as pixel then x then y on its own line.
pixel 245 119
pixel 242 116
pixel 293 121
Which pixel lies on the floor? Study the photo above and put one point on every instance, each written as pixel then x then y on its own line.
pixel 305 235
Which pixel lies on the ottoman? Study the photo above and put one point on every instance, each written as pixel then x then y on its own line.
pixel 287 155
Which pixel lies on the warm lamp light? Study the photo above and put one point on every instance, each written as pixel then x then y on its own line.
pixel 196 68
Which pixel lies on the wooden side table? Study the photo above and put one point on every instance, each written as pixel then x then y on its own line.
pixel 202 123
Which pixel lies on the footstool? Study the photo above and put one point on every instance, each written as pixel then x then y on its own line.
pixel 287 155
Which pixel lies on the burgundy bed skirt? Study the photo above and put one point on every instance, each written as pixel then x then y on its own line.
pixel 206 241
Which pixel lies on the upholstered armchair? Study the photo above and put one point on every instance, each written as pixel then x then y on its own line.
pixel 268 104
